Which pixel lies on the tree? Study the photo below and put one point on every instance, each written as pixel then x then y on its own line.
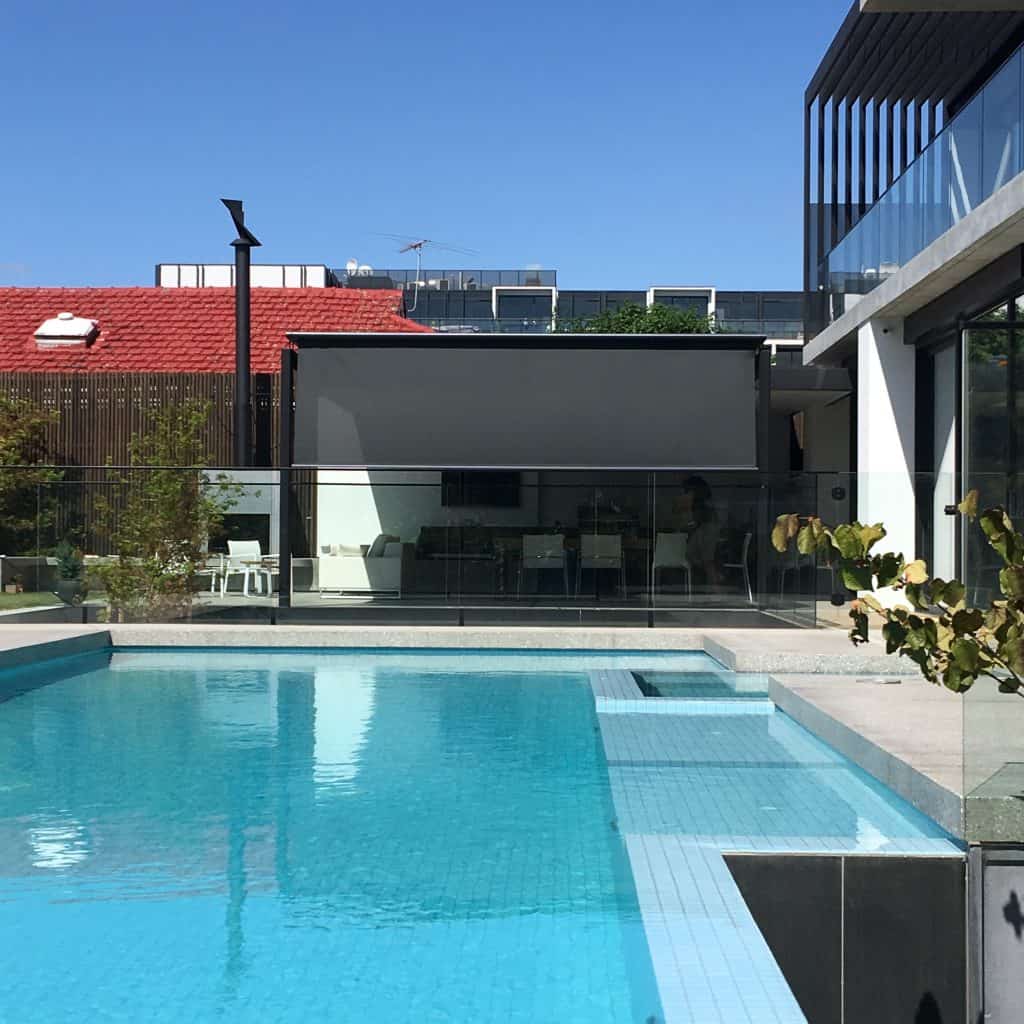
pixel 952 644
pixel 632 318
pixel 26 506
pixel 161 526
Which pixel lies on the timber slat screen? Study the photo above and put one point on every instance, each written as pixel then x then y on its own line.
pixel 99 413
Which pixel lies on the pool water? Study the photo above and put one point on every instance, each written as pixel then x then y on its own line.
pixel 311 837
pixel 703 685
pixel 402 836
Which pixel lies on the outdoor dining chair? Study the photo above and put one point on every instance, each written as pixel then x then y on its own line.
pixel 245 559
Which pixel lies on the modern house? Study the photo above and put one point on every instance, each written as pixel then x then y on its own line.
pixel 459 454
pixel 471 441
pixel 914 273
pixel 914 262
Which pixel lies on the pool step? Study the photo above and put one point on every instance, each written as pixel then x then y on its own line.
pixel 616 692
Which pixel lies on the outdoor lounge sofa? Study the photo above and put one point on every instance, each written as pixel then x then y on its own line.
pixel 353 570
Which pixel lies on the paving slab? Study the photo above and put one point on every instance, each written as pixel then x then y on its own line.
pixel 804 651
pixel 26 643
pixel 455 637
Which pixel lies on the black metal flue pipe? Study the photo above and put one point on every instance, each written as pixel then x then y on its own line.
pixel 242 245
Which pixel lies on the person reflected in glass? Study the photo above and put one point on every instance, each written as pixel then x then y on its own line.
pixel 700 521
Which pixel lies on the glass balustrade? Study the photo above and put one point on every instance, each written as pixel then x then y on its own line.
pixel 977 152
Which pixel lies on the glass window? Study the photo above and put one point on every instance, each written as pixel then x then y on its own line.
pixel 784 309
pixel 740 307
pixel 1000 312
pixel 989 437
pixel 478 306
pixel 529 306
pixel 698 303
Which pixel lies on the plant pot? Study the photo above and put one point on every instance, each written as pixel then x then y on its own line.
pixel 11 588
pixel 70 591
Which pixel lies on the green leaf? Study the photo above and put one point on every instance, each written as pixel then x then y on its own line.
pixel 806 542
pixel 998 528
pixel 996 620
pixel 969 506
pixel 857 577
pixel 945 638
pixel 1012 652
pixel 967 621
pixel 871 535
pixel 1011 581
pixel 918 596
pixel 952 593
pixel 888 568
pixel 785 529
pixel 957 679
pixel 870 601
pixel 917 572
pixel 859 632
pixel 895 636
pixel 965 654
pixel 848 540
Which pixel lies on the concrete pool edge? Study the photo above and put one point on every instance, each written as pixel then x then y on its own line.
pixel 934 799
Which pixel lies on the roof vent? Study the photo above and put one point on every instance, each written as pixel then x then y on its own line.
pixel 66 329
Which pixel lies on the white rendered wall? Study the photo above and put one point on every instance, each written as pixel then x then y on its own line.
pixel 355 505
pixel 943 560
pixel 885 433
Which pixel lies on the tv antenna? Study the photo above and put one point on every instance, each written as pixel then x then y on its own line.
pixel 411 243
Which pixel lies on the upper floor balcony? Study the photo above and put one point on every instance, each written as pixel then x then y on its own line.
pixel 977 152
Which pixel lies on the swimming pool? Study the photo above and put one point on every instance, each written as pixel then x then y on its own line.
pixel 406 836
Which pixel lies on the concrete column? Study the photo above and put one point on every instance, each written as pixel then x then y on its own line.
pixel 885 433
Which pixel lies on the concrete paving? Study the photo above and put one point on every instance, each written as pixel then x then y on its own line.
pixel 25 643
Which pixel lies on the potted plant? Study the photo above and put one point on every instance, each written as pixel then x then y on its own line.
pixel 70 585
pixel 13 586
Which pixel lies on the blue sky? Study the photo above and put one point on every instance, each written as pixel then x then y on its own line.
pixel 623 144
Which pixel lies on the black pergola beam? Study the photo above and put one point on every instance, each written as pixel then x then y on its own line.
pixel 879 56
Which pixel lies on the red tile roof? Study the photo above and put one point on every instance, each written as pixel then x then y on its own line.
pixel 182 330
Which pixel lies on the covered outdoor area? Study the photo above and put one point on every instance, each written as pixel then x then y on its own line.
pixel 534 479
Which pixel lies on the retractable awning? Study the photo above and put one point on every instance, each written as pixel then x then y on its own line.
pixel 526 401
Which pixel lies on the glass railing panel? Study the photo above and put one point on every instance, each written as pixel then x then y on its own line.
pixel 977 152
pixel 909 198
pixel 993 716
pixel 141 544
pixel 1001 127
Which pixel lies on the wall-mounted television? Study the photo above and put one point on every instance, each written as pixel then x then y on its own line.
pixel 479 488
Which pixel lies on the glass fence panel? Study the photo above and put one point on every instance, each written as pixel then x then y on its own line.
pixel 204 545
pixel 139 544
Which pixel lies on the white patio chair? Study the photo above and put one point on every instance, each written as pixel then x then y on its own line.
pixel 244 560
pixel 543 551
pixel 743 565
pixel 670 553
pixel 601 551
pixel 214 568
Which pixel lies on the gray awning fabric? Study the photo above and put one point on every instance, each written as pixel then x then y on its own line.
pixel 527 402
